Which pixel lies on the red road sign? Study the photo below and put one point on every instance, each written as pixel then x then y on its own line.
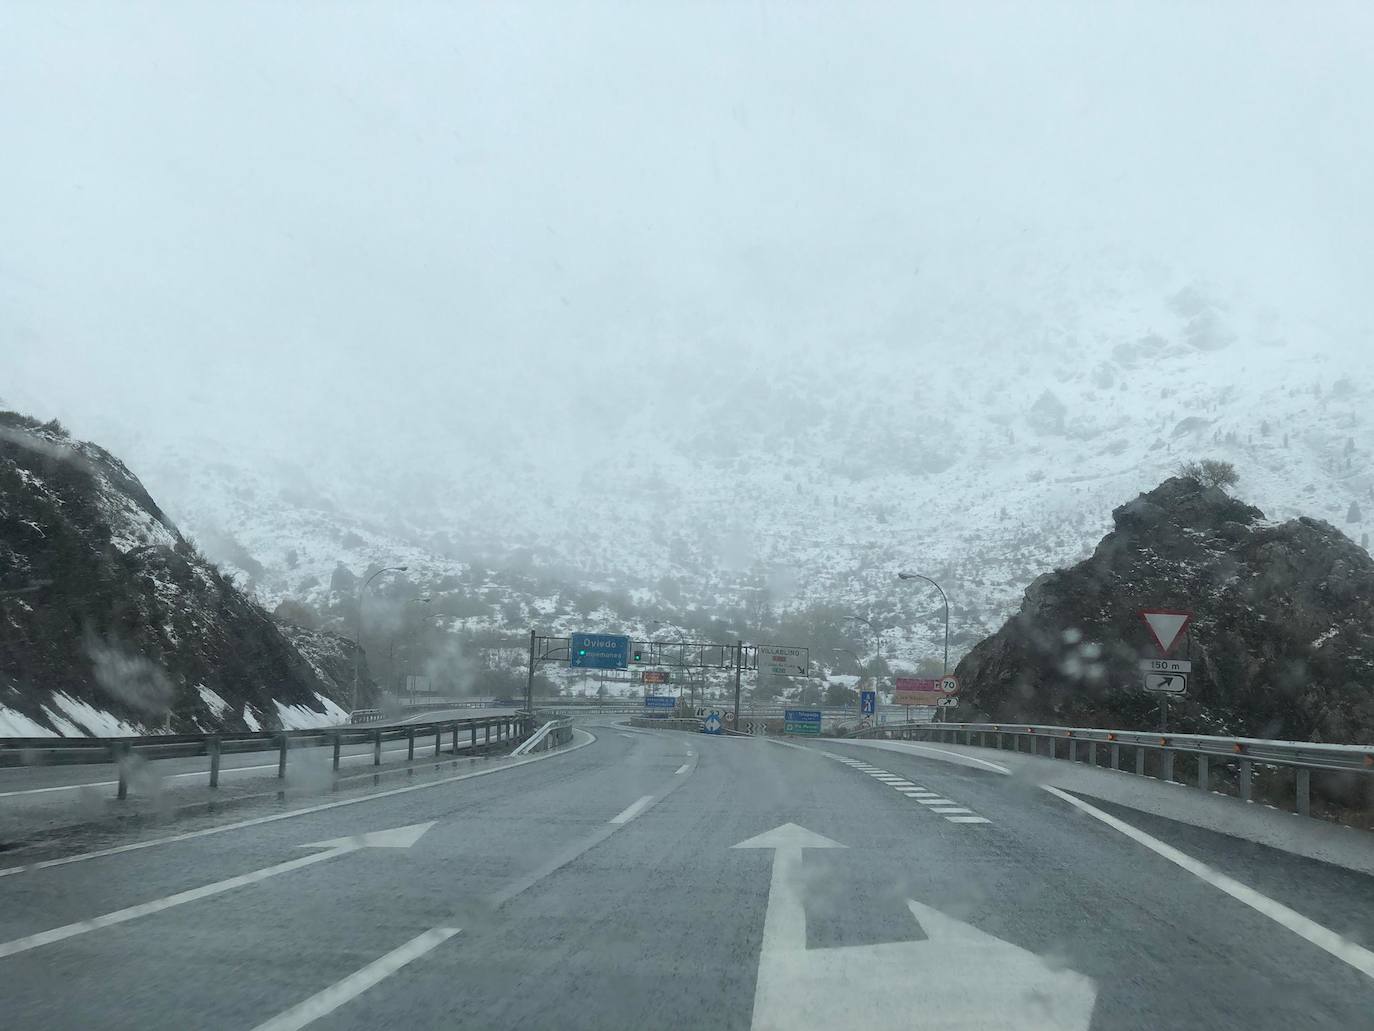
pixel 917 690
pixel 1167 626
pixel 654 676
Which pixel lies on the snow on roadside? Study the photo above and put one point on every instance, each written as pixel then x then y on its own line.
pixel 90 721
pixel 250 719
pixel 16 724
pixel 213 702
pixel 298 717
pixel 331 708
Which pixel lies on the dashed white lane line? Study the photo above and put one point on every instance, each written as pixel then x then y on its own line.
pixel 632 810
pixel 326 1002
pixel 946 807
pixel 682 769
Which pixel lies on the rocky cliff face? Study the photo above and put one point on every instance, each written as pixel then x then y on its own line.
pixel 111 622
pixel 1282 644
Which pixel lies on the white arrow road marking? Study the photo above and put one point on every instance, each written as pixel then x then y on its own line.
pixel 1322 937
pixel 399 837
pixel 304 811
pixel 800 988
pixel 326 1002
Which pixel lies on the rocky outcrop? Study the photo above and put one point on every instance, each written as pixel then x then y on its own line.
pixel 112 622
pixel 1282 644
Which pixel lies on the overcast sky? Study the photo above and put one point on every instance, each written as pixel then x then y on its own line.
pixel 431 213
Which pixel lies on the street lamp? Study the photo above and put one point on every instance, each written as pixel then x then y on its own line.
pixel 410 640
pixel 358 624
pixel 682 640
pixel 945 599
pixel 878 639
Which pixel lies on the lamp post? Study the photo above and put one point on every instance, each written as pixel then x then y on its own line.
pixel 358 624
pixel 682 640
pixel 943 597
pixel 878 646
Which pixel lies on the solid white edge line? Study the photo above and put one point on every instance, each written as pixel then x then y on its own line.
pixel 1324 938
pixel 911 746
pixel 120 916
pixel 331 998
pixel 274 817
pixel 632 810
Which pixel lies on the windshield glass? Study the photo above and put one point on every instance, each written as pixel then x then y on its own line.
pixel 631 515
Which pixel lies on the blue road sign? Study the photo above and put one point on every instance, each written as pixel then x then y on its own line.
pixel 598 651
pixel 711 724
pixel 660 701
pixel 868 702
pixel 801 721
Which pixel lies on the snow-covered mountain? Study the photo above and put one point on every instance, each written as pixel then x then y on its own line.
pixel 981 442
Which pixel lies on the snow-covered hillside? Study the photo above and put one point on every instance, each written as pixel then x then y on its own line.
pixel 815 481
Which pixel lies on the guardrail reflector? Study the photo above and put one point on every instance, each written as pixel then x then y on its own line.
pixel 1238 747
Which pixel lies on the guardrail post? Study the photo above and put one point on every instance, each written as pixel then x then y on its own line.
pixel 1304 792
pixel 410 745
pixel 438 741
pixel 1168 772
pixel 472 745
pixel 119 752
pixel 281 757
pixel 1245 780
pixel 486 734
pixel 1092 753
pixel 1203 781
pixel 1139 761
pixel 212 746
pixel 1073 750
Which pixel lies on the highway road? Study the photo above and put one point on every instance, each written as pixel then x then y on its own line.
pixel 645 879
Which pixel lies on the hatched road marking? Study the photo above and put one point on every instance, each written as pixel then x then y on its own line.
pixel 946 807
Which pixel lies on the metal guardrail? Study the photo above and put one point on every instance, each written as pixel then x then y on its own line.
pixel 551 734
pixel 366 716
pixel 48 751
pixel 1302 756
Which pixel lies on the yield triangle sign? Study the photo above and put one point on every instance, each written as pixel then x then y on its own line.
pixel 1166 625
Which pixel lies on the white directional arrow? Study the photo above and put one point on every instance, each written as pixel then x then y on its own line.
pixel 399 837
pixel 982 981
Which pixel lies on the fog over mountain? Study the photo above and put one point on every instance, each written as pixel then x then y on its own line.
pixel 726 297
